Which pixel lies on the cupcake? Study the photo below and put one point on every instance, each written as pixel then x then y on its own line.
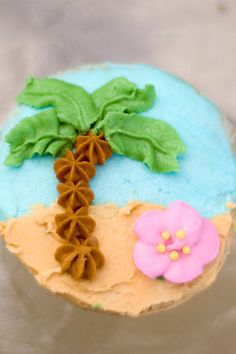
pixel 117 187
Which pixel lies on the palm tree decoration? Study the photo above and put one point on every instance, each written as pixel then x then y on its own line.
pixel 83 129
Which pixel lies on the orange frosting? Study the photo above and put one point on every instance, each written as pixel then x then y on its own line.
pixel 72 224
pixel 93 148
pixel 70 168
pixel 74 195
pixel 80 259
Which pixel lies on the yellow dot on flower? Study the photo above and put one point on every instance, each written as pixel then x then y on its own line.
pixel 180 234
pixel 161 248
pixel 165 235
pixel 186 250
pixel 174 255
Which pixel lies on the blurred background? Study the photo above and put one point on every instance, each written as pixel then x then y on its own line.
pixel 195 40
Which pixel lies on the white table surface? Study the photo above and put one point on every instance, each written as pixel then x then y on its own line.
pixel 193 39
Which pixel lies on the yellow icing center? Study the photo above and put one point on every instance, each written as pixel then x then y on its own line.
pixel 165 235
pixel 161 248
pixel 174 255
pixel 180 234
pixel 186 250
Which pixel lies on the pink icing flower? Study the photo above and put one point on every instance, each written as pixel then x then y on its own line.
pixel 175 243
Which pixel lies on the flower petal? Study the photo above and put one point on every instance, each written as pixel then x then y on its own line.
pixel 184 270
pixel 149 226
pixel 208 246
pixel 180 215
pixel 149 261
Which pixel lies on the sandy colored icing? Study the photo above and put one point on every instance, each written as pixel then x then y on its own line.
pixel 118 287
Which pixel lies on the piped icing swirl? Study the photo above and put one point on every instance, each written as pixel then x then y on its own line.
pixel 72 168
pixel 93 148
pixel 74 195
pixel 81 259
pixel 72 224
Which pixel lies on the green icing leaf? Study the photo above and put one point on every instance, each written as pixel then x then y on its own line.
pixel 72 103
pixel 122 95
pixel 151 141
pixel 144 100
pixel 39 134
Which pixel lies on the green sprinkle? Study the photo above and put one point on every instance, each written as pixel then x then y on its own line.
pixel 97 307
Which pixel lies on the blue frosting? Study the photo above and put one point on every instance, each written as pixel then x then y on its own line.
pixel 207 177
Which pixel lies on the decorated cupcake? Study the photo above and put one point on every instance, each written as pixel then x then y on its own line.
pixel 117 187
